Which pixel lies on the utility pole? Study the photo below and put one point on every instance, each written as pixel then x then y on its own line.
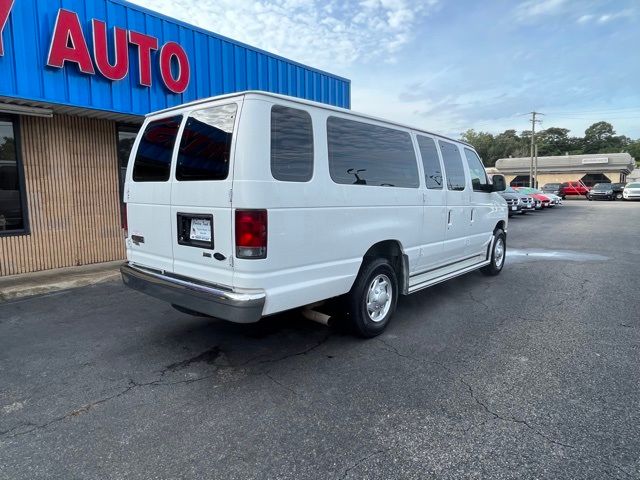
pixel 535 168
pixel 533 146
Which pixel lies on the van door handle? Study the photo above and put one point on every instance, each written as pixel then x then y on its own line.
pixel 472 211
pixel 449 219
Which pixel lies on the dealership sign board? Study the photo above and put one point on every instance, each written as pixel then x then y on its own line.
pixel 117 57
pixel 69 45
pixel 598 160
pixel 5 10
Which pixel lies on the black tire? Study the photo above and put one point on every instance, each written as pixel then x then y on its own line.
pixel 360 319
pixel 618 196
pixel 497 263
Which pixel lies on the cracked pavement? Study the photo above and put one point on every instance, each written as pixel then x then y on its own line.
pixel 531 374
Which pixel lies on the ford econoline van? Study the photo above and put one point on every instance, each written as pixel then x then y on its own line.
pixel 245 205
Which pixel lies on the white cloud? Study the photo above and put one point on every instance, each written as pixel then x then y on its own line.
pixel 323 33
pixel 585 18
pixel 531 9
pixel 606 17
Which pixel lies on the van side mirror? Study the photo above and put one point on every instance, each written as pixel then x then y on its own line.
pixel 499 183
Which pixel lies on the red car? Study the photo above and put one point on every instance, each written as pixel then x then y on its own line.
pixel 574 188
pixel 542 201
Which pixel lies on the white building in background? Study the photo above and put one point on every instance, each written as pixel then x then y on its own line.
pixel 590 168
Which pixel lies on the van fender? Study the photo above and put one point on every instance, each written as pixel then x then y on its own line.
pixel 393 251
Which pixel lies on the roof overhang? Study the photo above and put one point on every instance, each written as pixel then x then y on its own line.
pixel 19 106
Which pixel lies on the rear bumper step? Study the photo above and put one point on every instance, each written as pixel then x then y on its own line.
pixel 219 302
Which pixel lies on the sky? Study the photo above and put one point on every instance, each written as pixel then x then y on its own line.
pixel 451 65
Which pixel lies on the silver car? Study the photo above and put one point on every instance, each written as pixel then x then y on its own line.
pixel 631 191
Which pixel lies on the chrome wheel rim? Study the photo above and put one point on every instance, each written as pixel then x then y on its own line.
pixel 498 252
pixel 379 298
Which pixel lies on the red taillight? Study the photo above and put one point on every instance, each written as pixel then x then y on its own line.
pixel 251 234
pixel 124 220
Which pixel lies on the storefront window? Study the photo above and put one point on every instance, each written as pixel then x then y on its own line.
pixel 13 210
pixel 126 137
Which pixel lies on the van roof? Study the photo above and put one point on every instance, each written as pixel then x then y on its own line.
pixel 324 106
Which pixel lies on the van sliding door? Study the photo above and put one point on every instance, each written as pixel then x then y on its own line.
pixel 457 196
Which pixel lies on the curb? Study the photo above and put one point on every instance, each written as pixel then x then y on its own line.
pixel 40 283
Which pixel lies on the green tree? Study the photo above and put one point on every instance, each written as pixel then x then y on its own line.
pixel 506 144
pixel 482 142
pixel 598 137
pixel 633 149
pixel 553 141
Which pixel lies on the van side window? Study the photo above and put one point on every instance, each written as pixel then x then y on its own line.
pixel 291 144
pixel 431 162
pixel 365 154
pixel 153 158
pixel 205 148
pixel 453 166
pixel 476 169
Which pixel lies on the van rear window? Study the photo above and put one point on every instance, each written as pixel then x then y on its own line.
pixel 365 154
pixel 205 148
pixel 153 158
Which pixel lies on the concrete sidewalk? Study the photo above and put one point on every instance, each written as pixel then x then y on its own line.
pixel 29 284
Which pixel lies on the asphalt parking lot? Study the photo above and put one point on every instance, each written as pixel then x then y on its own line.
pixel 531 374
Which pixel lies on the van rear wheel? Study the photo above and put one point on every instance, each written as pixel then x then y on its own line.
pixel 373 298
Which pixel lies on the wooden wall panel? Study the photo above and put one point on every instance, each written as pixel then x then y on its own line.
pixel 71 173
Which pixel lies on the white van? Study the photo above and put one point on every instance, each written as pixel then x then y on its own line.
pixel 245 205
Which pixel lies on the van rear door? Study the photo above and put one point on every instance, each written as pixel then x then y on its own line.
pixel 201 214
pixel 148 194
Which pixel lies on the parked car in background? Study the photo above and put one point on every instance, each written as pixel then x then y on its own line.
pixel 574 188
pixel 514 202
pixel 618 188
pixel 553 188
pixel 542 201
pixel 631 191
pixel 601 191
pixel 555 199
pixel 528 202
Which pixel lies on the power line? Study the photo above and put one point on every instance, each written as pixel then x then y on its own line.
pixel 597 111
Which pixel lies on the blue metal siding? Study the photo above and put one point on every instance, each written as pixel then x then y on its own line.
pixel 218 65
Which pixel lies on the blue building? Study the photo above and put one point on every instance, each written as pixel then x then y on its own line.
pixel 76 79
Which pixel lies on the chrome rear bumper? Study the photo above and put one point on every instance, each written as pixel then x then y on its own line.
pixel 201 297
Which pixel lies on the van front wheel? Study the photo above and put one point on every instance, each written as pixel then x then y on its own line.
pixel 373 298
pixel 498 254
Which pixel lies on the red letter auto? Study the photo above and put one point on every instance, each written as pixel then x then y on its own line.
pixel 180 82
pixel 120 66
pixel 69 44
pixel 5 10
